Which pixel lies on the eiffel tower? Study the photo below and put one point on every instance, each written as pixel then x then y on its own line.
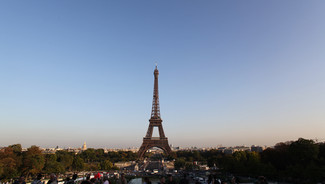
pixel 155 121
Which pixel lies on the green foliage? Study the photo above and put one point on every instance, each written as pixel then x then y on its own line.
pixel 278 156
pixel 303 160
pixel 52 165
pixel 65 158
pixel 121 156
pixel 94 166
pixel 190 155
pixel 91 155
pixel 33 161
pixel 106 165
pixel 179 163
pixel 78 163
pixel 240 156
pixel 9 169
pixel 303 151
pixel 88 155
pixel 16 148
pixel 10 162
pixel 212 161
pixel 1 169
pixel 189 166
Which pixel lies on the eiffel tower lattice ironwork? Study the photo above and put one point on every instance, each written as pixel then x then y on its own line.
pixel 155 121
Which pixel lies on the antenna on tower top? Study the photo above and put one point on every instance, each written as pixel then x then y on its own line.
pixel 156 65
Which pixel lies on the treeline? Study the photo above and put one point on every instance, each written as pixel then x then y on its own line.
pixel 295 161
pixel 301 161
pixel 14 162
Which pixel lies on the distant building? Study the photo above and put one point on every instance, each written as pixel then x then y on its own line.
pixel 84 147
pixel 242 148
pixel 176 148
pixel 222 149
pixel 257 149
pixel 48 150
pixel 74 150
pixel 228 151
pixel 134 150
pixel 232 150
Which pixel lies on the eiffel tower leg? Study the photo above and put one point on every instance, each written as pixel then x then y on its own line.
pixel 150 130
pixel 144 147
pixel 161 131
pixel 141 151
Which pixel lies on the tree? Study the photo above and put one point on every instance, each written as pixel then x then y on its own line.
pixel 196 155
pixel 1 170
pixel 303 151
pixel 253 164
pixel 9 162
pixel 65 158
pixel 16 148
pixel 179 163
pixel 99 154
pixel 93 166
pixel 189 166
pixel 106 165
pixel 278 156
pixel 52 165
pixel 17 151
pixel 240 156
pixel 88 155
pixel 9 169
pixel 33 161
pixel 212 161
pixel 77 164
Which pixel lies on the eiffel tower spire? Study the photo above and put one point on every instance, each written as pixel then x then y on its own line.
pixel 155 113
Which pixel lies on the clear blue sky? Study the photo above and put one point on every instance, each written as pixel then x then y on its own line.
pixel 231 72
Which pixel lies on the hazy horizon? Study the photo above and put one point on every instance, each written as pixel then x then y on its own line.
pixel 138 146
pixel 231 72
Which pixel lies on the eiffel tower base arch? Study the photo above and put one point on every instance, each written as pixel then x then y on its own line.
pixel 148 143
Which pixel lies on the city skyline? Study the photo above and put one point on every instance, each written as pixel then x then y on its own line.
pixel 231 73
